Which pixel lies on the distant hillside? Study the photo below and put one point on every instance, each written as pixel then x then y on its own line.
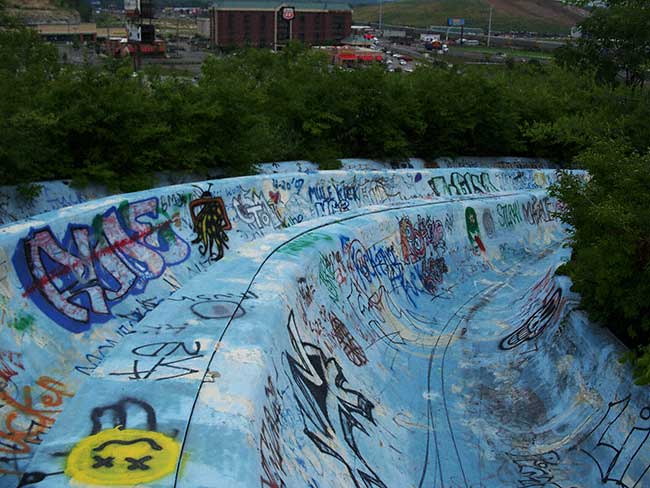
pixel 42 12
pixel 548 16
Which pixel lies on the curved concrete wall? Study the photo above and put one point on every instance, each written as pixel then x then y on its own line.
pixel 55 195
pixel 406 331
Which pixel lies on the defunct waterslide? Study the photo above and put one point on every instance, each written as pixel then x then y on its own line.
pixel 369 329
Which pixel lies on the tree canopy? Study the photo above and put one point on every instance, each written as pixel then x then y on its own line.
pixel 104 123
pixel 615 42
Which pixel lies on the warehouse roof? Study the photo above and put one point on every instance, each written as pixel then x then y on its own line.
pixel 275 4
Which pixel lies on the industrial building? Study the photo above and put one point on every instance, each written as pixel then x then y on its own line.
pixel 77 32
pixel 272 23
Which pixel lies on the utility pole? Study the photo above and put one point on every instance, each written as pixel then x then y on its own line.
pixel 490 27
pixel 381 16
pixel 135 54
pixel 275 28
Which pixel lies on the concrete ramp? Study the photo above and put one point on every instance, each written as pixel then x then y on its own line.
pixel 387 329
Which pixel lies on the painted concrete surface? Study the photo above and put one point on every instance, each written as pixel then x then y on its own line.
pixel 54 195
pixel 59 194
pixel 369 329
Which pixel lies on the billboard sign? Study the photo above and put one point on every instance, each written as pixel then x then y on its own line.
pixel 455 22
pixel 288 13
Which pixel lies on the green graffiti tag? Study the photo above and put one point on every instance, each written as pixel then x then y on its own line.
pixel 303 242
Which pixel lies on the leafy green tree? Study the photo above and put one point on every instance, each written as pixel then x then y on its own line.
pixel 27 65
pixel 234 125
pixel 7 21
pixel 82 6
pixel 615 42
pixel 469 112
pixel 610 262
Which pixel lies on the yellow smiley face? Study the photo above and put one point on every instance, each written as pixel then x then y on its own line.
pixel 122 457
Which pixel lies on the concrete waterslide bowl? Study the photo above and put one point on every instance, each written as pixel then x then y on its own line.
pixel 333 329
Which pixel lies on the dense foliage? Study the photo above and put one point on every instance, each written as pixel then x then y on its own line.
pixel 615 42
pixel 107 124
pixel 610 265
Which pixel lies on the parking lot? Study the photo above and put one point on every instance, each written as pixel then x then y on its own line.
pixel 396 61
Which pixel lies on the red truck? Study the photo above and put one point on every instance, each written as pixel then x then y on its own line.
pixel 121 48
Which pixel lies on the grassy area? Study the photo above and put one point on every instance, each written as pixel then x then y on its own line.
pixel 423 13
pixel 509 52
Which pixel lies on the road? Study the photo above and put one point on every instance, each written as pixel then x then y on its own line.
pixel 455 53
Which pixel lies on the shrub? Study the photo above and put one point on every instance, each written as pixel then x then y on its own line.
pixel 610 262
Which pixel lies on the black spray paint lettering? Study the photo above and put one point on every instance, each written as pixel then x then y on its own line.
pixel 315 379
pixel 462 184
pixel 624 463
pixel 167 364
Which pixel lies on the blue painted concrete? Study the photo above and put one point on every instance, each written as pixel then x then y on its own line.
pixel 59 194
pixel 361 329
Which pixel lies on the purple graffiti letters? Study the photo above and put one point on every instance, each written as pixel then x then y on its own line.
pixel 77 280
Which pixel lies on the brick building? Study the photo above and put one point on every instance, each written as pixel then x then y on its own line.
pixel 260 23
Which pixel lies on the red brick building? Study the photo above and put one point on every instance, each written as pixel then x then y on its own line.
pixel 260 23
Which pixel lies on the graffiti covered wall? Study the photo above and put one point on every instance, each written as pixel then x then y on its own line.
pixel 75 282
pixel 385 330
pixel 55 195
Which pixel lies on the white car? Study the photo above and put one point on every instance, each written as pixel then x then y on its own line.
pixel 402 62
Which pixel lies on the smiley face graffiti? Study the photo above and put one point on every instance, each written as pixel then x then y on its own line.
pixel 122 457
